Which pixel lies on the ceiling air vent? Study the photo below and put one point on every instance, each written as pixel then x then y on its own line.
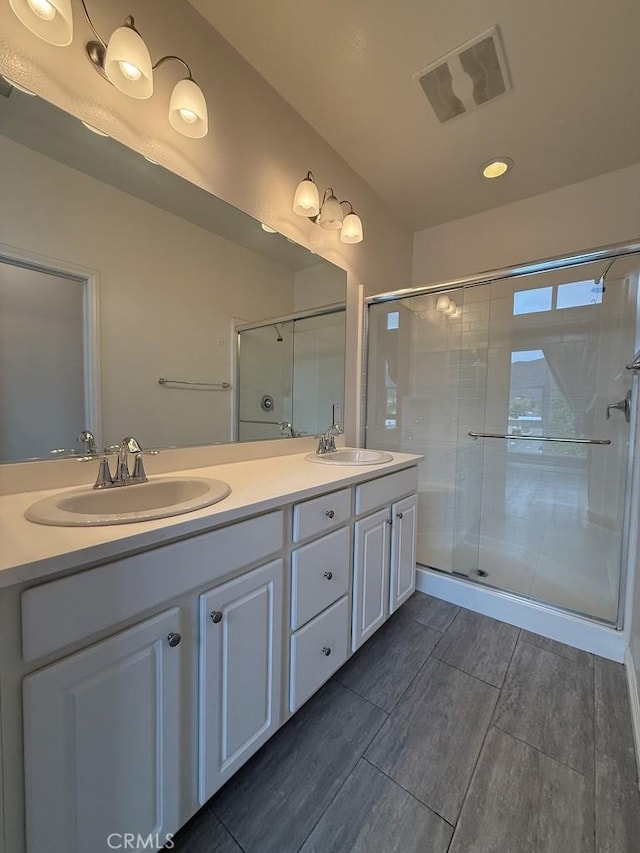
pixel 467 77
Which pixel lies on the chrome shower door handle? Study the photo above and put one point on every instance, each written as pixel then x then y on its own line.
pixel 623 406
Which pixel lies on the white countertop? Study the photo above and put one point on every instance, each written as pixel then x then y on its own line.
pixel 30 551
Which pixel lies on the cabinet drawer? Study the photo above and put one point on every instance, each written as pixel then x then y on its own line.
pixel 317 651
pixel 385 490
pixel 319 575
pixel 320 514
pixel 68 610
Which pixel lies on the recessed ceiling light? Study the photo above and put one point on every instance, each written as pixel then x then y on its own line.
pixel 497 168
pixel 94 129
pixel 268 228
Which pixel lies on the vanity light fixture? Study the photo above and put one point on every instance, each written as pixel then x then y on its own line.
pixel 451 309
pixel 442 302
pixel 329 213
pixel 497 167
pixel 123 60
pixel 50 20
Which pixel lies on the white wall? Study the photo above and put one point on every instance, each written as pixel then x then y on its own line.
pixel 587 215
pixel 168 291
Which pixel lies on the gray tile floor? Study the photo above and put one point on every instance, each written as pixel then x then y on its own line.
pixel 448 731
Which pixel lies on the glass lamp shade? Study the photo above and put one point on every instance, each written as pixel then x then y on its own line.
pixel 188 110
pixel 306 201
pixel 127 63
pixel 451 310
pixel 351 229
pixel 442 303
pixel 50 20
pixel 331 214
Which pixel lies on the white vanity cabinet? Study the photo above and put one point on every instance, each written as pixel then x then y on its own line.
pixel 149 680
pixel 240 672
pixel 384 551
pixel 102 731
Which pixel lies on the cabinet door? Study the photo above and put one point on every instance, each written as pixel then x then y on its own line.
pixel 240 672
pixel 371 575
pixel 403 551
pixel 102 738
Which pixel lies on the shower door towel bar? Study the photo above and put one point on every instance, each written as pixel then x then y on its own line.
pixel 476 435
pixel 223 385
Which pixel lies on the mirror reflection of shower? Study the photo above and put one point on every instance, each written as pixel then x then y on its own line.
pixel 302 377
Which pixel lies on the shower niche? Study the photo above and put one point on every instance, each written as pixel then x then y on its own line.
pixel 290 376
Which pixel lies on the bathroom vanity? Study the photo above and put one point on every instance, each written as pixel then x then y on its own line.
pixel 143 664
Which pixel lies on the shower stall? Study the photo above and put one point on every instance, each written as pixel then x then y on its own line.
pixel 290 375
pixel 515 390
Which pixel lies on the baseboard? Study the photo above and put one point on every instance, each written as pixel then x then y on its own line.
pixel 530 615
pixel 634 701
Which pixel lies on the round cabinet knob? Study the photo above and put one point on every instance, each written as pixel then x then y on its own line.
pixel 216 616
pixel 328 575
pixel 174 639
pixel 326 651
pixel 398 515
pixel 388 520
pixel 329 513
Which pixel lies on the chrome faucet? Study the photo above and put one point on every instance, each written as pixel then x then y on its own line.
pixel 123 476
pixel 327 441
pixel 286 427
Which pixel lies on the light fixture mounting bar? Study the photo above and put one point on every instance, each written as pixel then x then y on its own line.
pixel 179 59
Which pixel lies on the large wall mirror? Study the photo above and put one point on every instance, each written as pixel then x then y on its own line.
pixel 144 276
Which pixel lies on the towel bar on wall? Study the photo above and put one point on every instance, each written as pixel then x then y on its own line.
pixel 223 385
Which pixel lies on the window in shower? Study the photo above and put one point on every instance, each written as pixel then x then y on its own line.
pixel 569 295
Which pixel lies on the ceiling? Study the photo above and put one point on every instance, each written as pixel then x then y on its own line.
pixel 348 66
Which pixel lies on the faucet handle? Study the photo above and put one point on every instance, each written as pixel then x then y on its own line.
pixel 104 478
pixel 138 469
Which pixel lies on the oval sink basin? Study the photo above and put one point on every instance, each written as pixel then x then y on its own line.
pixel 161 497
pixel 350 456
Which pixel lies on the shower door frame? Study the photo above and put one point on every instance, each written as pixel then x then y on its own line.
pixel 546 265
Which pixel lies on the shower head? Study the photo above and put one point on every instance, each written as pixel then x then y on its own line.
pixel 598 284
pixel 279 339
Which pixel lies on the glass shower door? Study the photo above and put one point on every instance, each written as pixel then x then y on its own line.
pixel 553 511
pixel 518 362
